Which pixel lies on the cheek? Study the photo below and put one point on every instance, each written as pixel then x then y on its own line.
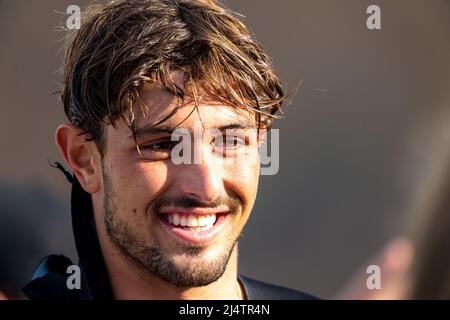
pixel 243 180
pixel 152 176
pixel 137 184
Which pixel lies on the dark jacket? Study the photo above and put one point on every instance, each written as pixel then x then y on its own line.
pixel 49 279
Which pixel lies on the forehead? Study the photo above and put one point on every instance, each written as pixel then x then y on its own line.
pixel 163 107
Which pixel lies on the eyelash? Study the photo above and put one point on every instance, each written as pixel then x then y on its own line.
pixel 160 150
pixel 150 146
pixel 237 141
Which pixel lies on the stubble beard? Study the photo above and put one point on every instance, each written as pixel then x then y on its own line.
pixel 191 271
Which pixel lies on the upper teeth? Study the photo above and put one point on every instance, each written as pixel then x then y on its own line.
pixel 192 220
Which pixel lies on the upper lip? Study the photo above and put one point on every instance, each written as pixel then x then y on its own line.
pixel 194 211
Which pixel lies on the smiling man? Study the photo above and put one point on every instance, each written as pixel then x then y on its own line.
pixel 137 75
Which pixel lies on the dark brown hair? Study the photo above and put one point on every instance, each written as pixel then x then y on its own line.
pixel 125 44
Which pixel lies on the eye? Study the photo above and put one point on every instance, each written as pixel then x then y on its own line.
pixel 159 146
pixel 159 150
pixel 229 142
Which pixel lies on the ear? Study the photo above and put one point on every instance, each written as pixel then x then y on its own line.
pixel 82 156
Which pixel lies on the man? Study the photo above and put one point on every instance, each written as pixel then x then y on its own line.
pixel 151 223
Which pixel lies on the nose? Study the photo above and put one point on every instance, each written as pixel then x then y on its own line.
pixel 203 180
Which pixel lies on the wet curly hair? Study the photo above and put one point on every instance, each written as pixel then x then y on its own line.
pixel 123 45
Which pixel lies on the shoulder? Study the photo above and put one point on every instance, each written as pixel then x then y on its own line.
pixel 49 281
pixel 257 290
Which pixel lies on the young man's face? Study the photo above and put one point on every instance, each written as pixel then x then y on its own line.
pixel 180 221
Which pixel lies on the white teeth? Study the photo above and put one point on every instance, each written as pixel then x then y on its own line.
pixel 193 221
pixel 175 219
pixel 183 221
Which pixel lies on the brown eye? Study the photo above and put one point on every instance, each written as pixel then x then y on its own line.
pixel 234 142
pixel 228 145
pixel 159 150
pixel 159 146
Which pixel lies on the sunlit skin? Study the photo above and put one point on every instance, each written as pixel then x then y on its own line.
pixel 137 179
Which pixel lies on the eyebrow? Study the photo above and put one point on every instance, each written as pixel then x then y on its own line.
pixel 167 129
pixel 152 130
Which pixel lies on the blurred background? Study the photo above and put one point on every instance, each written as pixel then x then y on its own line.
pixel 357 141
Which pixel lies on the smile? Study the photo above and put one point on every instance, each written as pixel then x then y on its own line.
pixel 192 221
pixel 195 226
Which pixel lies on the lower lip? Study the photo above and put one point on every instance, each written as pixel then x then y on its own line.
pixel 198 237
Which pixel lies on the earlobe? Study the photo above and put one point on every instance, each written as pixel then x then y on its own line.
pixel 80 156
